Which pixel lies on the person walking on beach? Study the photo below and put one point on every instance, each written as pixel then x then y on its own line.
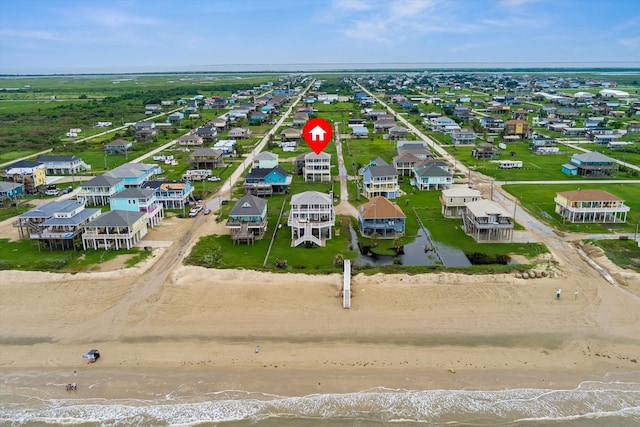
pixel 558 292
pixel 257 349
pixel 575 295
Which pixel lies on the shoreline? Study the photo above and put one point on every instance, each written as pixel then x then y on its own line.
pixel 193 382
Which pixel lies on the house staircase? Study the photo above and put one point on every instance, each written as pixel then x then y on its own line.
pixel 307 236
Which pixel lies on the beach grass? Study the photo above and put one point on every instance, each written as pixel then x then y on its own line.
pixel 623 253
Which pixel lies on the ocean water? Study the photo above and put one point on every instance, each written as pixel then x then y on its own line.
pixel 592 403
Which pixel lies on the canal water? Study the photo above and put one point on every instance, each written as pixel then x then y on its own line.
pixel 422 251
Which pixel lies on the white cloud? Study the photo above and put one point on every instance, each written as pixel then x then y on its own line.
pixel 408 8
pixel 632 42
pixel 114 18
pixel 30 34
pixel 398 20
pixel 371 29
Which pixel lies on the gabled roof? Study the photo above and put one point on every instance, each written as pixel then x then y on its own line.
pixel 406 157
pixel 465 131
pixel 77 219
pixel 398 129
pixel 263 172
pixel 206 152
pixel 241 131
pixel 102 181
pixel 189 137
pixel 322 155
pixel 383 170
pixel 593 156
pixel 291 132
pixel 134 193
pixel 24 164
pixel 57 158
pixel 589 196
pixel 379 161
pixel 380 207
pixel 265 155
pixel 48 209
pixel 432 170
pixel 116 218
pixel 360 130
pixel 484 208
pixel 130 170
pixel 410 145
pixel 118 143
pixel 460 191
pixel 248 205
pixel 310 198
pixel 205 130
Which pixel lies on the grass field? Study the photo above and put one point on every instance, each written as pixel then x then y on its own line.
pixel 538 200
pixel 24 255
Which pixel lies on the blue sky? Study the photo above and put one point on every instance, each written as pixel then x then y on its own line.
pixel 72 36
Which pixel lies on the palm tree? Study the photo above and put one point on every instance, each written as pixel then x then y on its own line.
pixel 374 239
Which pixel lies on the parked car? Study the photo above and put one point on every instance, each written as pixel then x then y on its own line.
pixel 92 355
pixel 68 190
pixel 213 178
pixel 207 211
pixel 224 201
pixel 193 213
pixel 52 192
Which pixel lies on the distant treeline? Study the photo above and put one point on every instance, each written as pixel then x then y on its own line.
pixel 577 70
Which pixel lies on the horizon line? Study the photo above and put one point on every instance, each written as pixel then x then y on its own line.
pixel 375 66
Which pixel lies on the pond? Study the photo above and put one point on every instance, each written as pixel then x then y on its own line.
pixel 422 251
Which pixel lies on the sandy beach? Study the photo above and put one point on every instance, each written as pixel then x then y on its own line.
pixel 426 331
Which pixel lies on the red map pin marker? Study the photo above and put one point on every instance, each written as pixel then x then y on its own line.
pixel 317 133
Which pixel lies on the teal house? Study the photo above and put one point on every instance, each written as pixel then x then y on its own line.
pixel 139 200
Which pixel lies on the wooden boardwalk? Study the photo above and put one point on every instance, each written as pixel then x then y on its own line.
pixel 346 285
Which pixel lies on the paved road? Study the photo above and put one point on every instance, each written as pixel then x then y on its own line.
pixel 225 190
pixel 342 170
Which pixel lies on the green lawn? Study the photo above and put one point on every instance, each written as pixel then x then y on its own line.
pixel 535 167
pixel 24 255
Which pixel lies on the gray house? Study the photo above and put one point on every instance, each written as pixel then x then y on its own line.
pixel 248 219
pixel 118 146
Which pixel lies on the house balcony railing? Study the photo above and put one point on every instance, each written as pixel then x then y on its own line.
pixel 96 192
pixel 58 234
pixel 96 235
pixel 620 205
pixel 491 225
pixel 597 210
pixel 304 223
pixel 249 224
